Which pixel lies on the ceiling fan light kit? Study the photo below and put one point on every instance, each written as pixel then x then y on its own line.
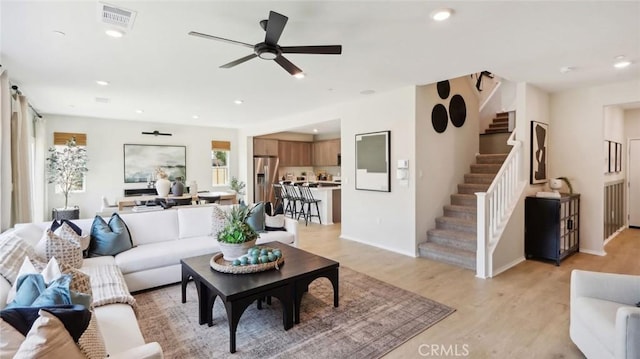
pixel 156 133
pixel 270 50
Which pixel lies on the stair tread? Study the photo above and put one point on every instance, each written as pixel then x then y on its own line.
pixel 464 195
pixel 455 207
pixel 474 185
pixel 456 220
pixel 451 233
pixel 440 247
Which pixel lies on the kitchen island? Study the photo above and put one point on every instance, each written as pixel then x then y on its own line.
pixel 329 205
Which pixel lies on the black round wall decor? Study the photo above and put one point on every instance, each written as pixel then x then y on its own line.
pixel 443 89
pixel 439 118
pixel 457 110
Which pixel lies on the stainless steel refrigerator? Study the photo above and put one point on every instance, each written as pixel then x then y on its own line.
pixel 265 169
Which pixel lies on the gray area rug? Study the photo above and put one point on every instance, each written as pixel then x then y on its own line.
pixel 373 318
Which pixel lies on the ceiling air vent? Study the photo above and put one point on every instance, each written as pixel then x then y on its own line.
pixel 111 15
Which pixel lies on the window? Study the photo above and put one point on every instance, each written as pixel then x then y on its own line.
pixel 220 151
pixel 60 143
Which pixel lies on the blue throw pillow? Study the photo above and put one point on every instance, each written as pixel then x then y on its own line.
pixel 56 224
pixel 33 292
pixel 109 239
pixel 256 218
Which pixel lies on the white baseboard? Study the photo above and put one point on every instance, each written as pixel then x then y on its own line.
pixel 349 238
pixel 508 266
pixel 595 253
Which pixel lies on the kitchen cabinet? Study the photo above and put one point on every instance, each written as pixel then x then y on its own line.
pixel 294 153
pixel 552 227
pixel 325 153
pixel 265 147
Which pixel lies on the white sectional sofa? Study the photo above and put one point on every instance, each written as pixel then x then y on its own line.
pixel 160 240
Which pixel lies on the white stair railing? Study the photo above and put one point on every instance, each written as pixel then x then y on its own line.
pixel 495 207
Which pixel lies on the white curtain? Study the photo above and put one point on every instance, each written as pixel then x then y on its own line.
pixel 20 160
pixel 6 217
pixel 39 176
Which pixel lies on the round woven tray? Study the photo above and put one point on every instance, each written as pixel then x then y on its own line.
pixel 218 263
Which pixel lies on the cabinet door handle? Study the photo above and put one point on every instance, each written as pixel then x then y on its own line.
pixel 569 224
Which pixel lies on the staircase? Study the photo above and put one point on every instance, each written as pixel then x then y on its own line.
pixel 454 239
pixel 500 124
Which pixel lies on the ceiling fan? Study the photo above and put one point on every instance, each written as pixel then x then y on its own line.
pixel 270 50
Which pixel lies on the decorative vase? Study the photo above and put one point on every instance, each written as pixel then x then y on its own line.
pixel 231 251
pixel 162 187
pixel 177 189
pixel 193 188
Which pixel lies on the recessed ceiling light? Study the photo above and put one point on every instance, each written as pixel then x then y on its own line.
pixel 621 64
pixel 238 102
pixel 139 111
pixel 567 69
pixel 441 14
pixel 102 83
pixel 299 75
pixel 367 92
pixel 195 117
pixel 59 33
pixel 114 33
pixel 315 130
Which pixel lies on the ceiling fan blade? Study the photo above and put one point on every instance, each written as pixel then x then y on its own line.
pixel 287 65
pixel 324 50
pixel 275 26
pixel 238 61
pixel 211 37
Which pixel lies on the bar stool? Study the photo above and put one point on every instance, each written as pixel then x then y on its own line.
pixel 277 191
pixel 307 198
pixel 292 197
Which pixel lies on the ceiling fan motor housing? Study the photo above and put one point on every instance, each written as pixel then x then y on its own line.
pixel 267 52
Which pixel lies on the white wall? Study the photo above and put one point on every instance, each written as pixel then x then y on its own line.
pixel 631 124
pixel 532 104
pixel 576 149
pixel 382 219
pixel 105 140
pixel 442 159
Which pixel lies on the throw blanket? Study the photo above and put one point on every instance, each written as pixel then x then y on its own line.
pixel 108 286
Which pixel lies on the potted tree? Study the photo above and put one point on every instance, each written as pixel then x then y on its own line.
pixel 237 236
pixel 66 169
pixel 238 187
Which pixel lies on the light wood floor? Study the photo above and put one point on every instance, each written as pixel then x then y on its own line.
pixel 521 313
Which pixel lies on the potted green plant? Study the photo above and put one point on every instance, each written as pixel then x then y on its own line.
pixel 237 236
pixel 238 187
pixel 66 168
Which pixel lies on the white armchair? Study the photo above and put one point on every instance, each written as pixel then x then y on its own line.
pixel 605 322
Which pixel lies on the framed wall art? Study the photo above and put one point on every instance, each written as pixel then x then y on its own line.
pixel 373 161
pixel 141 162
pixel 618 157
pixel 539 151
pixel 612 157
pixel 605 152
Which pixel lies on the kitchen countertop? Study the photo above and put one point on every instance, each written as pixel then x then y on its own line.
pixel 331 188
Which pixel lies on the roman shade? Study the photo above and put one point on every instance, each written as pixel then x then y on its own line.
pixel 61 138
pixel 220 146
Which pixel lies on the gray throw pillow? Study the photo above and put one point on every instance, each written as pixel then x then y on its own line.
pixel 256 218
pixel 109 239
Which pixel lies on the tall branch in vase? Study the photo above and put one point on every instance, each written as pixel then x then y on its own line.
pixel 66 168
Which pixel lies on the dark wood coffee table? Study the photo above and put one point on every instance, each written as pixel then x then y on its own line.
pixel 238 291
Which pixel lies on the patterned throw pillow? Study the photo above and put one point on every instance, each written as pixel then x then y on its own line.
pixel 80 281
pixel 13 249
pixel 69 230
pixel 91 343
pixel 218 221
pixel 65 248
